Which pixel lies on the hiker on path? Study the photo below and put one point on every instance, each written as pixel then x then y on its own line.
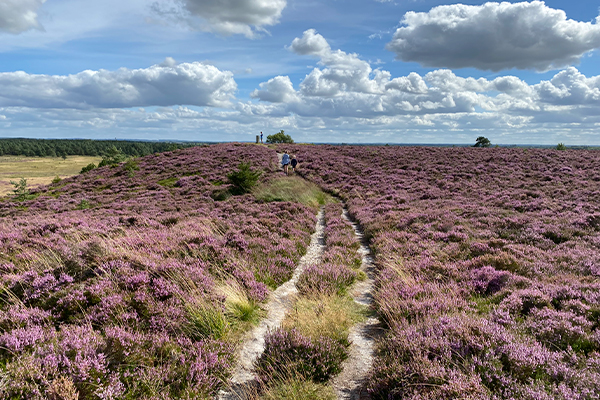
pixel 261 137
pixel 285 161
pixel 294 163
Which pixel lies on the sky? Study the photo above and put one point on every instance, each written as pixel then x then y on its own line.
pixel 333 71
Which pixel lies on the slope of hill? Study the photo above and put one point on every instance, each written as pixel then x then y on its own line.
pixel 133 281
pixel 489 266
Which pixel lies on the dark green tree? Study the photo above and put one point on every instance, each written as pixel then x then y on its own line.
pixel 21 191
pixel 113 156
pixel 482 142
pixel 561 146
pixel 243 179
pixel 279 137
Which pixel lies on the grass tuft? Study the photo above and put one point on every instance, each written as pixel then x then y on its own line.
pixel 206 321
pixel 238 307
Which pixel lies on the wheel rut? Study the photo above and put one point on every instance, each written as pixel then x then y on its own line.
pixel 350 383
pixel 281 301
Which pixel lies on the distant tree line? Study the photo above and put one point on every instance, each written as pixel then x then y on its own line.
pixel 83 147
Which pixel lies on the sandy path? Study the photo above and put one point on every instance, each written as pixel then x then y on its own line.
pixel 281 302
pixel 350 383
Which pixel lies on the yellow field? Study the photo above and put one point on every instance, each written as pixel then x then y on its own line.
pixel 39 170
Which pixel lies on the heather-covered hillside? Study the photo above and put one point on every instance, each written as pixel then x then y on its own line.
pixel 138 281
pixel 489 266
pixel 133 281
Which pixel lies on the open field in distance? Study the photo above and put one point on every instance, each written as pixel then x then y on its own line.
pixel 39 170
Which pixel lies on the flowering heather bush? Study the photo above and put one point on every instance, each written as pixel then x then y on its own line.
pixel 488 266
pixel 325 279
pixel 340 239
pixel 289 354
pixel 334 275
pixel 100 302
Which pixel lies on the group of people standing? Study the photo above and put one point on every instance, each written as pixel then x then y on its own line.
pixel 288 161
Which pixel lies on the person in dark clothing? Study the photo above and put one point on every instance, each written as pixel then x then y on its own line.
pixel 294 163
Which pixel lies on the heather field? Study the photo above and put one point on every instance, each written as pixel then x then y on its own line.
pixel 133 282
pixel 141 280
pixel 488 267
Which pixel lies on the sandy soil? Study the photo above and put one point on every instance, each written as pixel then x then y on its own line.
pixel 350 383
pixel 281 301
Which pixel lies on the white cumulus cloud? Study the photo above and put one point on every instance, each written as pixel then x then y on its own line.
pixel 311 43
pixel 18 16
pixel 570 87
pixel 225 17
pixel 159 85
pixel 276 90
pixel 343 71
pixel 494 36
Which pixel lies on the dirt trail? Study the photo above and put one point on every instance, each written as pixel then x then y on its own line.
pixel 350 383
pixel 281 302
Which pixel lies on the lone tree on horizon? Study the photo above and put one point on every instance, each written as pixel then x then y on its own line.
pixel 279 137
pixel 482 142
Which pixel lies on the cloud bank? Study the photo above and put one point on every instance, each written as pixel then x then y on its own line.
pixel 17 16
pixel 346 87
pixel 166 84
pixel 494 36
pixel 344 98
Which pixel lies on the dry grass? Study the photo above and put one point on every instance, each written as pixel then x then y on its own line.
pixel 325 315
pixel 242 313
pixel 39 170
pixel 298 389
pixel 292 188
pixel 290 387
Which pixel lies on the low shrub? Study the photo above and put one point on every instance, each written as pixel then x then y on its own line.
pixel 88 168
pixel 487 280
pixel 559 329
pixel 131 166
pixel 84 205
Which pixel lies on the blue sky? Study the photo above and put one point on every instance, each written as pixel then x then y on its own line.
pixel 354 71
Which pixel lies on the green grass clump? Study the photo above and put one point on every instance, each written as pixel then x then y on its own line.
pixel 241 312
pixel 169 182
pixel 206 321
pixel 84 205
pixel 293 189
